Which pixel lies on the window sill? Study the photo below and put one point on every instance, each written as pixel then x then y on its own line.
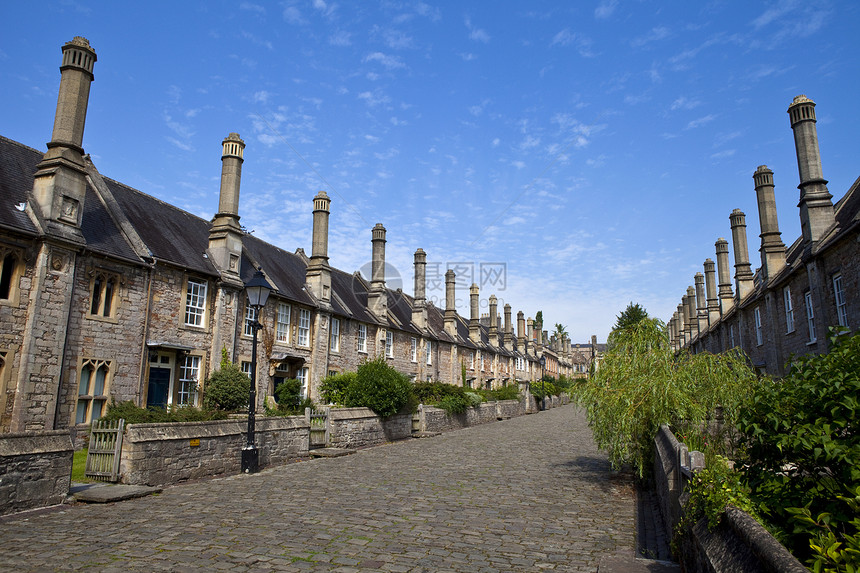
pixel 96 317
pixel 811 342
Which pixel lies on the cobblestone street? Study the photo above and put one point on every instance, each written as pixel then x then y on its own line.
pixel 527 494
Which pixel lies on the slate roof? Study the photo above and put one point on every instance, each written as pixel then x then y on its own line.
pixel 17 166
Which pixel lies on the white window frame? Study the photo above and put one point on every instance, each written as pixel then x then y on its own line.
pixel 362 338
pixel 810 316
pixel 483 362
pixel 303 336
pixel 389 344
pixel 413 349
pixel 789 310
pixel 302 377
pixel 839 299
pixel 250 318
pixel 245 367
pixel 334 335
pixel 196 291
pixel 759 335
pixel 472 360
pixel 189 380
pixel 429 350
pixel 283 328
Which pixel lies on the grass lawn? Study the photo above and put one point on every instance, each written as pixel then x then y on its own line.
pixel 79 466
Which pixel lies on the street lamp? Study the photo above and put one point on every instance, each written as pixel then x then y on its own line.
pixel 542 385
pixel 257 290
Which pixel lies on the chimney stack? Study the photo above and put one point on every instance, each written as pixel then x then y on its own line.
pixel 683 333
pixel 701 303
pixel 450 304
pixel 711 291
pixel 530 327
pixel 60 182
pixel 509 333
pixel 377 298
pixel 772 248
pixel 494 318
pixel 727 297
pixel 419 312
pixel 521 332
pixel 816 206
pixel 743 272
pixel 474 320
pixel 318 271
pixel 225 234
pixel 692 317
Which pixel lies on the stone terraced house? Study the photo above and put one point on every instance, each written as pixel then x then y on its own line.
pixel 787 305
pixel 107 293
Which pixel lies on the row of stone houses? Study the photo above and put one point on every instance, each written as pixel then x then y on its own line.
pixel 787 306
pixel 107 293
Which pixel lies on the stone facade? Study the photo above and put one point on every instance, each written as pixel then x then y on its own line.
pixel 786 306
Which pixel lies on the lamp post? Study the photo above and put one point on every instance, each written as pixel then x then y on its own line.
pixel 542 385
pixel 257 290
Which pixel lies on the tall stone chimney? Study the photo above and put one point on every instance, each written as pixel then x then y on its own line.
pixel 673 331
pixel 683 331
pixel 701 302
pixel 711 292
pixel 521 332
pixel 743 272
pixel 450 304
pixel 530 337
pixel 772 248
pixel 692 314
pixel 318 271
pixel 60 181
pixel 419 310
pixel 494 318
pixel 474 320
pixel 727 298
pixel 816 206
pixel 377 298
pixel 225 234
pixel 509 333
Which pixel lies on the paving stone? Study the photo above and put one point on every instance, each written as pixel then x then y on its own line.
pixel 531 493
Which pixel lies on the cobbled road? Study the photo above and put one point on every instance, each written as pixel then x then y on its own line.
pixel 528 494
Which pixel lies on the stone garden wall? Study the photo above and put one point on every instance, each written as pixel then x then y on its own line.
pixel 162 454
pixel 35 469
pixel 738 543
pixel 360 427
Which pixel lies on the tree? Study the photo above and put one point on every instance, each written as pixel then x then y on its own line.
pixel 560 330
pixel 539 320
pixel 630 316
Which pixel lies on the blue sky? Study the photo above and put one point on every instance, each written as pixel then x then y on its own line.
pixel 595 149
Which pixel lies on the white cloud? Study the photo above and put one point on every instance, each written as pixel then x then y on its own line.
pixel 389 62
pixel 605 9
pixel 261 96
pixel 374 98
pixel 477 34
pixel 252 7
pixel 684 103
pixel 581 43
pixel 340 38
pixel 655 35
pixel 292 15
pixel 701 121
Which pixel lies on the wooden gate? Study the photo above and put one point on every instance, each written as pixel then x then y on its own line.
pixel 104 451
pixel 318 420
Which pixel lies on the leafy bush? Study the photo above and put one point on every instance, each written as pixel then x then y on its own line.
pixel 641 384
pixel 509 392
pixel 228 388
pixel 454 404
pixel 133 414
pixel 379 387
pixel 333 388
pixel 543 388
pixel 803 443
pixel 475 400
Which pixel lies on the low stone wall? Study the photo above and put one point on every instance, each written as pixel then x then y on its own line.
pixel 162 454
pixel 738 543
pixel 35 469
pixel 434 419
pixel 360 427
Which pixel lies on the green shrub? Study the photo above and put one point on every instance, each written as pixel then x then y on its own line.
pixel 227 389
pixel 133 414
pixel 803 443
pixel 475 399
pixel 289 395
pixel 379 387
pixel 454 404
pixel 333 388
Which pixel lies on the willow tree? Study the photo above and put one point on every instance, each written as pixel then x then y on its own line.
pixel 642 384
